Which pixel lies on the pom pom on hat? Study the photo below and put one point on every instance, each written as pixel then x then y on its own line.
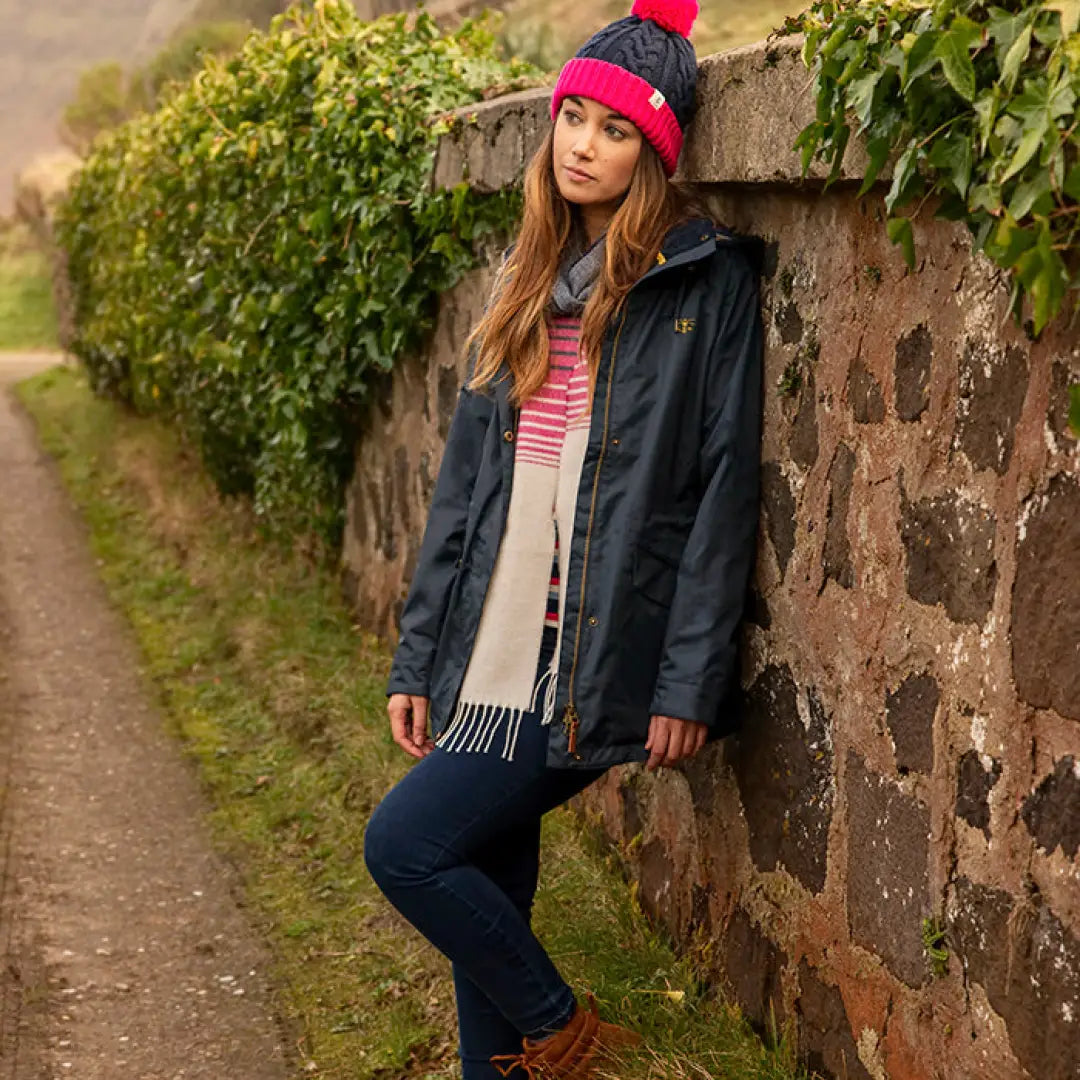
pixel 677 15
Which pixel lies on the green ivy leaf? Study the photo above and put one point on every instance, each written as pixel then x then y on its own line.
pixel 1071 186
pixel 953 156
pixel 986 109
pixel 1029 145
pixel 877 151
pixel 1016 55
pixel 808 141
pixel 1008 241
pixel 1074 409
pixel 840 142
pixel 920 57
pixel 900 232
pixel 1004 28
pixel 1062 101
pixel 860 96
pixel 902 176
pixel 810 45
pixel 1029 193
pixel 1044 274
pixel 952 49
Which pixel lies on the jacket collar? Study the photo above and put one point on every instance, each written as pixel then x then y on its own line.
pixel 687 242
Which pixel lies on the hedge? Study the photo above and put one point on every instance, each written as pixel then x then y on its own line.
pixel 249 258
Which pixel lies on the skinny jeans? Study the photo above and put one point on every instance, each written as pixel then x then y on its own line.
pixel 455 847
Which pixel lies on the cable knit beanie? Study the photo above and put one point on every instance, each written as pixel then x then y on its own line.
pixel 644 67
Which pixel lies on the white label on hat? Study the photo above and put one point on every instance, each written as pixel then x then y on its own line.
pixel 657 99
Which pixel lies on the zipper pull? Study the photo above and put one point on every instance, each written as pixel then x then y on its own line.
pixel 571 723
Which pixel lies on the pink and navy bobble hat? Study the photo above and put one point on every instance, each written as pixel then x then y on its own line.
pixel 644 67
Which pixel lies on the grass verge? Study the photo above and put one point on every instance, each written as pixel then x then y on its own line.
pixel 27 314
pixel 280 701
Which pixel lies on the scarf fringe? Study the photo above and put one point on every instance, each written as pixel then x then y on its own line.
pixel 473 726
pixel 549 683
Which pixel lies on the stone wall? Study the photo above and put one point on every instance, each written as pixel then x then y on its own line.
pixel 912 652
pixel 438 9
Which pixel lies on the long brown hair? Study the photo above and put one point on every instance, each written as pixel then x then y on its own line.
pixel 513 326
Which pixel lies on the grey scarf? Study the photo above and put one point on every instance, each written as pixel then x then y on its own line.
pixel 578 272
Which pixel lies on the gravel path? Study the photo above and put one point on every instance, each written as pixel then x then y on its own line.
pixel 125 952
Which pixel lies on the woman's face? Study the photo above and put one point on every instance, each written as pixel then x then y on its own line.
pixel 595 151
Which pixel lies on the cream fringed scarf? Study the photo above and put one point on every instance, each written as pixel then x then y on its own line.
pixel 500 685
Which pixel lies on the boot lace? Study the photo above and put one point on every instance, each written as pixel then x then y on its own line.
pixel 515 1061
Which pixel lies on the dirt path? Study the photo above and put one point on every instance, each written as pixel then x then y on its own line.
pixel 124 953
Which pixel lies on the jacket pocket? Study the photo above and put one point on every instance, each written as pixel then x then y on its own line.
pixel 654 574
pixel 659 551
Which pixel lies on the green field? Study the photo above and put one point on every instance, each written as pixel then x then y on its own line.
pixel 27 315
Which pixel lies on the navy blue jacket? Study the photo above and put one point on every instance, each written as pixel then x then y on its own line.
pixel 665 521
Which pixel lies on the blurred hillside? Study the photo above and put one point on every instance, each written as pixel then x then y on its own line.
pixel 47 44
pixel 548 32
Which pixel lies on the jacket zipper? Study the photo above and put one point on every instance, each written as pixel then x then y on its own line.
pixel 571 719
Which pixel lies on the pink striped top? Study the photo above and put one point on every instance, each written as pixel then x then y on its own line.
pixel 561 403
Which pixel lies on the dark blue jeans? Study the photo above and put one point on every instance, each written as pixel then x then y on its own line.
pixel 455 847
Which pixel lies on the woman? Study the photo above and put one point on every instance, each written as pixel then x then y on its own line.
pixel 589 543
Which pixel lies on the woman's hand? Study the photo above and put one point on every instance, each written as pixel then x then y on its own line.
pixel 671 740
pixel 409 723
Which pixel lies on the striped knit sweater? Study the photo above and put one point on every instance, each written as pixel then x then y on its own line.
pixel 562 402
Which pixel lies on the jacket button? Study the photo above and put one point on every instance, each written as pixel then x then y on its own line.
pixel 593 620
pixel 614 442
pixel 508 435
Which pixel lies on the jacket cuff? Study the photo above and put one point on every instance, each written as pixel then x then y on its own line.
pixel 412 691
pixel 408 682
pixel 686 701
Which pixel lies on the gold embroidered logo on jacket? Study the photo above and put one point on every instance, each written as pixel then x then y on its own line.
pixel 684 326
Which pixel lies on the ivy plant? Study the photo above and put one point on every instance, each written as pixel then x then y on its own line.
pixel 971 102
pixel 935 946
pixel 251 258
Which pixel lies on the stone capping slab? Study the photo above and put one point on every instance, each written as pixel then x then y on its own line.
pixel 752 103
pixel 491 151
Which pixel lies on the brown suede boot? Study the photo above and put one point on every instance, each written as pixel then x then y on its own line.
pixel 571 1053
